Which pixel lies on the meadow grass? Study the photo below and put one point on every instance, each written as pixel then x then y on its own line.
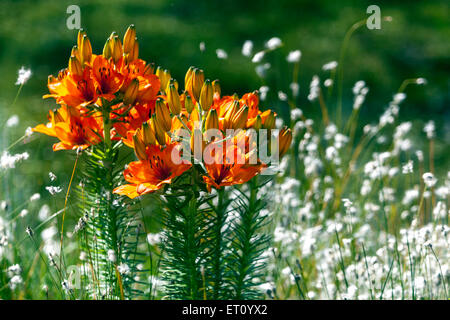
pixel 356 210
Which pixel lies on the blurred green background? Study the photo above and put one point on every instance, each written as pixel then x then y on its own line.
pixel 415 44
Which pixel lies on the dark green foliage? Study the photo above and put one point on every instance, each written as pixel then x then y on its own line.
pixel 213 244
pixel 109 225
pixel 246 263
pixel 218 247
pixel 187 238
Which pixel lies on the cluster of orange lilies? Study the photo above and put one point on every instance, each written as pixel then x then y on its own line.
pixel 116 96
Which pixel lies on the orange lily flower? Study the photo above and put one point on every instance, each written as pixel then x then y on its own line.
pixel 72 129
pixel 73 89
pixel 108 79
pixel 251 100
pixel 149 84
pixel 226 169
pixel 147 176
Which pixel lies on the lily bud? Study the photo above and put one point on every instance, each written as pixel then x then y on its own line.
pixel 229 114
pixel 139 146
pixel 240 118
pixel 76 53
pixel 75 66
pixel 107 49
pixel 198 78
pixel 85 50
pixel 206 95
pixel 174 82
pixel 258 123
pixel 129 38
pixel 216 87
pixel 81 34
pixel 116 48
pixel 284 140
pixel 173 98
pixel 162 114
pixel 269 122
pixel 188 103
pixel 133 54
pixel 148 135
pixel 188 78
pixel 160 133
pixel 212 120
pixel 164 77
pixel 131 92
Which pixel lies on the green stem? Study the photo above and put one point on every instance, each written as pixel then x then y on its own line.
pixel 107 129
pixel 246 245
pixel 191 244
pixel 112 225
pixel 17 95
pixel 108 162
pixel 347 37
pixel 220 215
pixel 444 279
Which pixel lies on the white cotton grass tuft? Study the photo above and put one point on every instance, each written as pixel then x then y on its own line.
pixel 263 92
pixel 123 269
pixel 35 197
pixel 332 65
pixel 296 114
pixel 258 57
pixel 360 91
pixel 328 83
pixel 111 256
pixel 24 76
pixel 421 81
pixel 221 54
pixel 28 132
pixel 314 88
pixel 247 48
pixel 261 70
pixel 15 269
pixel 430 129
pixel 154 238
pixel 66 285
pixel 295 88
pixel 429 179
pixel 53 189
pixel 294 56
pixel 13 121
pixel 408 167
pixel 274 43
pixel 15 282
pixel 8 161
pixel 282 96
pixel 399 97
pixel 358 86
pixel 52 176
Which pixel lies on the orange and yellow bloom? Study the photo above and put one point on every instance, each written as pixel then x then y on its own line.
pixel 116 96
pixel 72 129
pixel 151 174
